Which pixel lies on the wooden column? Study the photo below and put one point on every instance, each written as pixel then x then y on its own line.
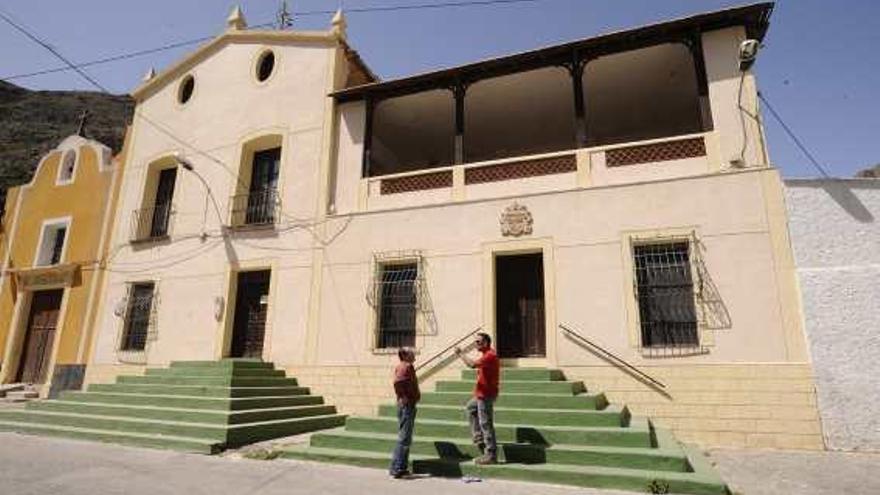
pixel 695 43
pixel 459 90
pixel 368 137
pixel 576 69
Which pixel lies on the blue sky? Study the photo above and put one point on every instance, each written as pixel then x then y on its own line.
pixel 820 67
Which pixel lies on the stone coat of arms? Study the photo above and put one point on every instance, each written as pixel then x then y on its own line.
pixel 516 220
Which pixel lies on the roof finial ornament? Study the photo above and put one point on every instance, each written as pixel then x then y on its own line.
pixel 285 17
pixel 339 23
pixel 236 21
pixel 83 118
pixel 149 75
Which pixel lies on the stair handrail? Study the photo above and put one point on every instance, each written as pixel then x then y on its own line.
pixel 447 348
pixel 608 354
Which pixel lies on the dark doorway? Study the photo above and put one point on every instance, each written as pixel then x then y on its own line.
pixel 38 340
pixel 519 303
pixel 249 325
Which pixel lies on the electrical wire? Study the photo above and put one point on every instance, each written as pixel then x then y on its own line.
pixel 179 44
pixel 793 137
pixel 124 56
pixel 52 50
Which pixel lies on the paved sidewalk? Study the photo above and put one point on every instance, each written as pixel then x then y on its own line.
pixel 32 465
pixel 42 466
pixel 766 472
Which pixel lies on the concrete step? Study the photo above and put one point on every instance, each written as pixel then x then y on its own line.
pixel 236 363
pixel 516 400
pixel 208 371
pixel 227 435
pixel 700 482
pixel 610 416
pixel 221 417
pixel 187 402
pixel 637 434
pixel 216 381
pixel 197 445
pixel 266 430
pixel 197 390
pixel 671 458
pixel 518 387
pixel 519 374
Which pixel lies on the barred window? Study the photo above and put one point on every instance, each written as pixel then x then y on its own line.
pixel 397 304
pixel 665 292
pixel 138 316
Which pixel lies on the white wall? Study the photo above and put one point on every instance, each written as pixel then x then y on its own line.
pixel 835 232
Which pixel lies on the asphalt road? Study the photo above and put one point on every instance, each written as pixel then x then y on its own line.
pixel 32 465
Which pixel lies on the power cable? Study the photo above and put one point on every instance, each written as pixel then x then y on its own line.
pixel 53 51
pixel 171 46
pixel 793 137
pixel 124 56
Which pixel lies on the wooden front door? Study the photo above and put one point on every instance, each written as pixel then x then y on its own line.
pixel 37 349
pixel 251 304
pixel 519 303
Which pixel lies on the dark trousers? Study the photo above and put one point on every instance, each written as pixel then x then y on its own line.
pixel 481 418
pixel 406 420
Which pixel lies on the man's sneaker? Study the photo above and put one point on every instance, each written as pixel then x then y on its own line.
pixel 485 460
pixel 400 474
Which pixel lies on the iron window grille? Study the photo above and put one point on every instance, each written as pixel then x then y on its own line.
pixel 396 296
pixel 666 300
pixel 139 322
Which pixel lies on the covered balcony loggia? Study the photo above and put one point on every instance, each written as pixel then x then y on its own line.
pixel 537 125
pixel 578 115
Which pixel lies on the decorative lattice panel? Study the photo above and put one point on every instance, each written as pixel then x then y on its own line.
pixel 421 182
pixel 657 152
pixel 518 170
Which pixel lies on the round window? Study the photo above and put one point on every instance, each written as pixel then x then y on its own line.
pixel 265 65
pixel 186 89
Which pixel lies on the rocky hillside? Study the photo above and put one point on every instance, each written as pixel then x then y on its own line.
pixel 33 122
pixel 873 172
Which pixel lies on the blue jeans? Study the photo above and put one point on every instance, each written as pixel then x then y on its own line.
pixel 406 420
pixel 480 416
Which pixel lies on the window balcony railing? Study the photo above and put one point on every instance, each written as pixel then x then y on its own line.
pixel 255 208
pixel 151 223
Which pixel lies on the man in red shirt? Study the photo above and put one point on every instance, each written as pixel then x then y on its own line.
pixel 406 388
pixel 480 407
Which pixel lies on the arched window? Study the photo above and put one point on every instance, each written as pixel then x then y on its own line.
pixel 68 166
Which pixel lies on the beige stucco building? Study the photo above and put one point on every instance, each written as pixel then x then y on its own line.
pixel 606 207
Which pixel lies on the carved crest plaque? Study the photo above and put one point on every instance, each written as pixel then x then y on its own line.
pixel 516 220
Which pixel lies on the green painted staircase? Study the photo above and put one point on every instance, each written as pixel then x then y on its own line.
pixel 548 429
pixel 197 406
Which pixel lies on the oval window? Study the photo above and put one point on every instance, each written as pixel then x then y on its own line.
pixel 186 89
pixel 265 65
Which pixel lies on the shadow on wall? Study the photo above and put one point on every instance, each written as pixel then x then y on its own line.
pixel 841 192
pixel 713 313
